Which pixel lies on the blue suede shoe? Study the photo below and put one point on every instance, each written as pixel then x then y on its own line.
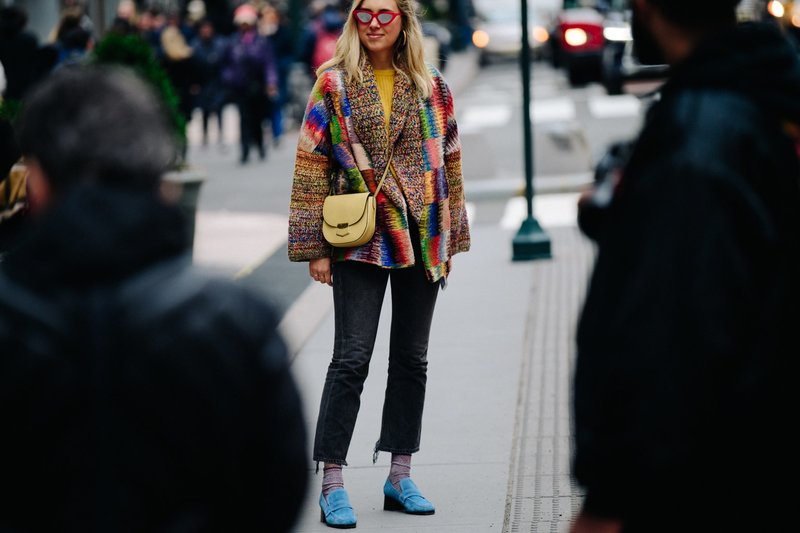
pixel 410 500
pixel 337 511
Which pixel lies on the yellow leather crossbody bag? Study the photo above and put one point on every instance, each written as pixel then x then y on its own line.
pixel 348 220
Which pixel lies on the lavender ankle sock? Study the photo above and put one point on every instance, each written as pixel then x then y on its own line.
pixel 332 478
pixel 401 469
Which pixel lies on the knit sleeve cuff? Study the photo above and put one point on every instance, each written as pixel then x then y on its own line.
pixel 310 186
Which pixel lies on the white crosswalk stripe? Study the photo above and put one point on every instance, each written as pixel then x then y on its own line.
pixel 553 110
pixel 620 106
pixel 476 118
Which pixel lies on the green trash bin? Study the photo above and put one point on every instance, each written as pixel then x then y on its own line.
pixel 182 188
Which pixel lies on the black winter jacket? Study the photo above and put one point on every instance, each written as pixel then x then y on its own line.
pixel 687 345
pixel 137 394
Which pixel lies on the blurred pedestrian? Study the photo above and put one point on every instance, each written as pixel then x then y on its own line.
pixel 324 32
pixel 19 52
pixel 127 10
pixel 195 13
pixel 376 107
pixel 250 74
pixel 136 393
pixel 273 26
pixel 687 354
pixel 126 19
pixel 179 63
pixel 70 19
pixel 75 9
pixel 209 52
pixel 74 47
pixel 151 23
pixel 73 16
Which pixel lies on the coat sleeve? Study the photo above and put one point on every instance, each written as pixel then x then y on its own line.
pixel 285 446
pixel 311 182
pixel 662 369
pixel 269 469
pixel 459 224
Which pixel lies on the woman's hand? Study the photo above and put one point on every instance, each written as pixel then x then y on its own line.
pixel 320 270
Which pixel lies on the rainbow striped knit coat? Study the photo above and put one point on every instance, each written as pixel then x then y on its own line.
pixel 344 144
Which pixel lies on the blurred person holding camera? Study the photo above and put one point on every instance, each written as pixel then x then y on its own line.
pixel 687 356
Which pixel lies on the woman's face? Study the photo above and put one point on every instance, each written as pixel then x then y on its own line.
pixel 376 37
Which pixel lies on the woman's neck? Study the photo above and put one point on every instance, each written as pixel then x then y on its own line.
pixel 381 60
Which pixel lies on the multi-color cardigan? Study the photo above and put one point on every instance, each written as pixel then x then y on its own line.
pixel 344 144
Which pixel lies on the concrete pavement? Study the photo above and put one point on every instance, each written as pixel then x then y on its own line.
pixel 496 445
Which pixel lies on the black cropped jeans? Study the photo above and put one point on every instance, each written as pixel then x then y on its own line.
pixel 358 291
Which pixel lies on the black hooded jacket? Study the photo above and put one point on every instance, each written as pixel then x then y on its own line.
pixel 137 394
pixel 687 343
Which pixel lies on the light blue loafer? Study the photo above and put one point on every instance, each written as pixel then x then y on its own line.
pixel 336 511
pixel 409 499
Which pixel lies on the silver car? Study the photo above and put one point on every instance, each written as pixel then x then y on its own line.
pixel 498 33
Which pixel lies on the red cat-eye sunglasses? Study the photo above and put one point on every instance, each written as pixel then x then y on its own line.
pixel 365 17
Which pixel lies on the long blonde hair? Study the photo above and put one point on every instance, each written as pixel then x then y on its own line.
pixel 408 57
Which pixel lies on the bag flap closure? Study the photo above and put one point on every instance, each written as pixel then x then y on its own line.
pixel 345 209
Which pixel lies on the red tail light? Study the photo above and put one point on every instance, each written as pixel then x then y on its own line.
pixel 581 37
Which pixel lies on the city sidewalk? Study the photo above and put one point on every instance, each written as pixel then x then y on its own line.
pixel 496 433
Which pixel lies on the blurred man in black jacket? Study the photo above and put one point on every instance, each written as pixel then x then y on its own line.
pixel 136 394
pixel 687 347
pixel 19 52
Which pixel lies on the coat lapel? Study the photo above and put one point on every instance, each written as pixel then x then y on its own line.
pixel 367 111
pixel 402 103
pixel 370 127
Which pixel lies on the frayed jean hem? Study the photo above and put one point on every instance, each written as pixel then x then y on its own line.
pixel 318 460
pixel 400 451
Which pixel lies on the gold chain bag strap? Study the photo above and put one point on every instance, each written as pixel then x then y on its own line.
pixel 348 220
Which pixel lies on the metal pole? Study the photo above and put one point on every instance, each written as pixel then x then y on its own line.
pixel 296 24
pixel 527 125
pixel 531 241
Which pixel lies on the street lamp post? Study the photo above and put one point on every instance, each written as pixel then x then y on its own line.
pixel 296 22
pixel 531 241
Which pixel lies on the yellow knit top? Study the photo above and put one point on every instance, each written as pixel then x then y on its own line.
pixel 385 81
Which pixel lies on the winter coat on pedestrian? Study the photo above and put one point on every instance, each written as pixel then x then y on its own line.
pixel 344 146
pixel 136 393
pixel 687 350
pixel 19 53
pixel 210 54
pixel 249 63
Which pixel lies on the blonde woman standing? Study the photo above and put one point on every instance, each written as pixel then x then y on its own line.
pixel 377 97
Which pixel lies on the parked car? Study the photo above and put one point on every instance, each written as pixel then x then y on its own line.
pixel 577 43
pixel 498 33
